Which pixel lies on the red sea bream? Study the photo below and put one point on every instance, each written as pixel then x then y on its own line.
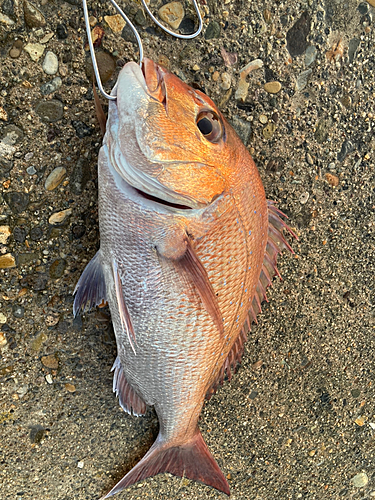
pixel 188 245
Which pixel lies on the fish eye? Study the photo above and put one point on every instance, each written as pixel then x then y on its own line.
pixel 209 125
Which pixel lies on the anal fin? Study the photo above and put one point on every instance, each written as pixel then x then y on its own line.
pixel 191 459
pixel 128 398
pixel 90 290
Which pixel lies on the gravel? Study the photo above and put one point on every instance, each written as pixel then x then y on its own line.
pixel 298 418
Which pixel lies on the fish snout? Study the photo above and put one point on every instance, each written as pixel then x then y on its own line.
pixel 154 78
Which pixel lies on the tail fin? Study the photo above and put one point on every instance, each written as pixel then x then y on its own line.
pixel 192 460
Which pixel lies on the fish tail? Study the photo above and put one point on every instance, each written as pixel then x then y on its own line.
pixel 191 459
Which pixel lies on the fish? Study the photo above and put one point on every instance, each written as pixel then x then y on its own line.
pixel 188 246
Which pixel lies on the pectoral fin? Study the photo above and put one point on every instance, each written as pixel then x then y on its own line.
pixel 125 318
pixel 90 290
pixel 190 264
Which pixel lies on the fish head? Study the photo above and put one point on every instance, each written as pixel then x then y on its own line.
pixel 169 140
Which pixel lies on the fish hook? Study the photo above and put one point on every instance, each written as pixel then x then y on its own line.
pixel 136 34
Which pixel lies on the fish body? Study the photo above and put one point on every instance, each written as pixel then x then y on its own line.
pixel 188 244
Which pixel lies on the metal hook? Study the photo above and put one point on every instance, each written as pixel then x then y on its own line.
pixel 136 34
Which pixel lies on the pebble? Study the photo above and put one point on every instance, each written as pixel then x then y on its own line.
pixel 57 268
pixel 82 130
pixel 7 261
pixel 172 13
pixel 359 480
pixel 251 66
pixel 62 31
pixel 49 379
pixel 140 18
pixel 363 8
pixel 31 170
pixel 242 90
pixel 116 23
pixel 310 55
pixel 19 234
pixel 4 234
pixel 3 114
pixel 106 65
pixel 12 135
pixel 321 131
pixel 296 37
pixel 36 233
pixel 304 198
pixel 263 119
pixel 371 2
pixel 353 47
pixel 17 201
pixel 80 175
pixel 212 31
pixel 269 130
pixel 70 387
pixel 346 148
pixel 52 319
pixel 97 34
pixel 24 259
pixel 16 49
pixel 229 58
pixel 8 8
pixel 3 340
pixel 272 87
pixel 346 101
pixel 59 217
pixel 3 319
pixel 18 311
pixel 55 178
pixel 33 16
pixel 51 63
pixel 333 180
pixel 35 51
pixel 187 26
pixel 302 79
pixel 50 111
pixel 50 361
pixel 309 159
pixel 226 81
pixel 47 37
pixel 52 86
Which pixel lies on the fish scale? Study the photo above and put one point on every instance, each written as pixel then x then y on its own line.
pixel 188 246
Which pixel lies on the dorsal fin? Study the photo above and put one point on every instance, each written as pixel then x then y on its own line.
pixel 128 398
pixel 275 245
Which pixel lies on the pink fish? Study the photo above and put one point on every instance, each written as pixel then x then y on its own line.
pixel 188 246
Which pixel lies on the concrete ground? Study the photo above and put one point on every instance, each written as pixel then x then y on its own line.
pixel 298 418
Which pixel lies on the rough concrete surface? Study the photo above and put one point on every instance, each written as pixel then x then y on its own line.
pixel 298 418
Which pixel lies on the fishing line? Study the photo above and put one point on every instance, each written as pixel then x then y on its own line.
pixel 136 34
